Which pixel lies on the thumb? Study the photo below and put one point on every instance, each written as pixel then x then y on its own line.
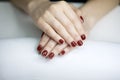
pixel 78 12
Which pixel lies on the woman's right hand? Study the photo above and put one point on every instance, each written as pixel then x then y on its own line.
pixel 59 21
pixel 48 48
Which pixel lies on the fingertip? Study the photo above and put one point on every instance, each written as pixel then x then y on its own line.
pixel 62 52
pixel 80 43
pixel 51 55
pixel 61 41
pixel 39 48
pixel 44 53
pixel 83 37
pixel 73 44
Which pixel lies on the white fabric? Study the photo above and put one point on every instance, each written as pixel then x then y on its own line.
pixel 93 61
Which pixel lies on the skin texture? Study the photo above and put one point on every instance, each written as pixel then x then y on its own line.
pixel 62 21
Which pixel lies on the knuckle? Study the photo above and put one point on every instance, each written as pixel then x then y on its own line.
pixel 73 19
pixel 57 49
pixel 50 45
pixel 42 42
pixel 45 15
pixel 53 7
pixel 40 20
pixel 68 24
pixel 47 30
pixel 62 2
pixel 58 28
pixel 78 11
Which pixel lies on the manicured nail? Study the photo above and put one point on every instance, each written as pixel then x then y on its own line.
pixel 51 55
pixel 62 52
pixel 44 53
pixel 61 41
pixel 81 18
pixel 80 43
pixel 39 48
pixel 42 34
pixel 83 37
pixel 73 44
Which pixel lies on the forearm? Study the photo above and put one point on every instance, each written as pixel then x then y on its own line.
pixel 27 5
pixel 94 10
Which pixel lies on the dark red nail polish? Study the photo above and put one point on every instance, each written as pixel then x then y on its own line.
pixel 83 37
pixel 42 34
pixel 73 44
pixel 39 48
pixel 81 18
pixel 80 43
pixel 51 55
pixel 62 52
pixel 44 53
pixel 61 41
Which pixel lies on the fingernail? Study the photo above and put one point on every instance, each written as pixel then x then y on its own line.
pixel 83 37
pixel 80 43
pixel 39 48
pixel 51 55
pixel 61 41
pixel 42 34
pixel 44 53
pixel 73 44
pixel 81 18
pixel 62 52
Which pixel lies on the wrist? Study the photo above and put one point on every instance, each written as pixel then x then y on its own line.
pixel 33 4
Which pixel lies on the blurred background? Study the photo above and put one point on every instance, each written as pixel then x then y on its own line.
pixel 4 0
pixel 57 0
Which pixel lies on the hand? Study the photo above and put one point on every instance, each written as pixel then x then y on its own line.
pixel 49 48
pixel 60 21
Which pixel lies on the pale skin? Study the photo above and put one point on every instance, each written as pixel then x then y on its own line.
pixel 62 21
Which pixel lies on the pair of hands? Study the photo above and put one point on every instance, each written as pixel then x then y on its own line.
pixel 62 26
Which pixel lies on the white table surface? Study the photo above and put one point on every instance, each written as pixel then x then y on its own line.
pixel 97 59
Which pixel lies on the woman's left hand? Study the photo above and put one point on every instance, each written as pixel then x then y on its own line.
pixel 49 48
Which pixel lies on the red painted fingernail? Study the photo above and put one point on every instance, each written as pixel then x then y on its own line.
pixel 83 37
pixel 81 18
pixel 62 52
pixel 51 55
pixel 80 43
pixel 44 53
pixel 73 44
pixel 39 48
pixel 42 34
pixel 61 41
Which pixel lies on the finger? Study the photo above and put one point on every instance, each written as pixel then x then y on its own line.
pixel 59 28
pixel 57 49
pixel 82 31
pixel 66 50
pixel 79 22
pixel 49 31
pixel 76 19
pixel 43 41
pixel 47 49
